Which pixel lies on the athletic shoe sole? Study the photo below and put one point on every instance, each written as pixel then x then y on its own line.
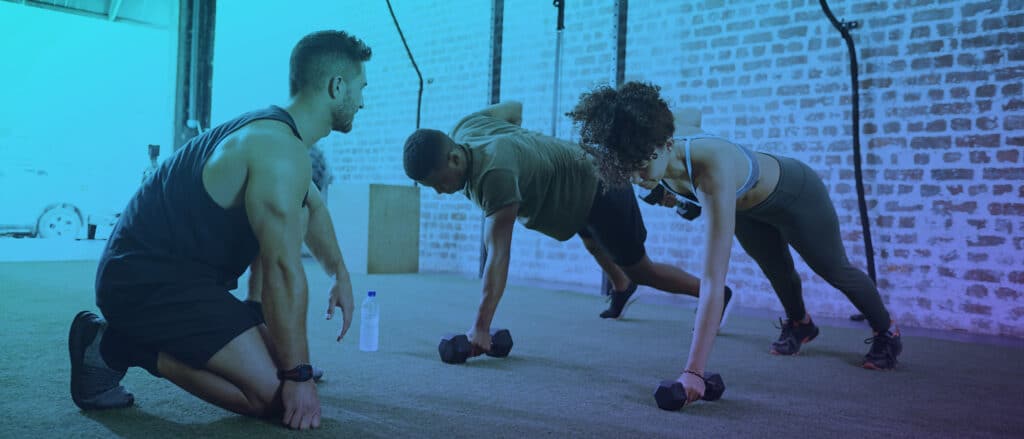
pixel 82 333
pixel 624 308
pixel 871 366
pixel 802 343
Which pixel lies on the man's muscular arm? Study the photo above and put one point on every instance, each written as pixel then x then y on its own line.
pixel 323 243
pixel 320 237
pixel 498 239
pixel 278 176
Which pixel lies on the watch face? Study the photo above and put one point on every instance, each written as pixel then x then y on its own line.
pixel 300 373
pixel 305 372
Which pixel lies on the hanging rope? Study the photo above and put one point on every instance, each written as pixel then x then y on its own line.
pixel 419 95
pixel 844 29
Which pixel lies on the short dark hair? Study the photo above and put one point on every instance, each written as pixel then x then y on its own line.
pixel 621 128
pixel 425 152
pixel 314 54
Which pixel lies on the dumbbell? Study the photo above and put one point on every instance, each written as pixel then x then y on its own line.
pixel 672 396
pixel 455 348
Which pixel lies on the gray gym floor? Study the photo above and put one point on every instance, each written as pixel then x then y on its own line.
pixel 570 374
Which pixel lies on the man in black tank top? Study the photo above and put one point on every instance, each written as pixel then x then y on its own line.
pixel 237 195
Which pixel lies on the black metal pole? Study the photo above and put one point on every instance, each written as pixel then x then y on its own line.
pixel 559 27
pixel 497 30
pixel 193 94
pixel 621 20
pixel 497 24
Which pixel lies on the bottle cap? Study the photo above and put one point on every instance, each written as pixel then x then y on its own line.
pixel 371 293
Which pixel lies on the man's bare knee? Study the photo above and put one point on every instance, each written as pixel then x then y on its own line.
pixel 246 363
pixel 259 396
pixel 263 397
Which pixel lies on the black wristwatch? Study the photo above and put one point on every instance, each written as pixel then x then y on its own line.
pixel 300 373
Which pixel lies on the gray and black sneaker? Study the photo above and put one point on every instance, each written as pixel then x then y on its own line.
pixel 727 308
pixel 94 384
pixel 618 301
pixel 884 350
pixel 794 334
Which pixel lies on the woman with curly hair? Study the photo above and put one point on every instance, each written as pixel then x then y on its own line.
pixel 769 202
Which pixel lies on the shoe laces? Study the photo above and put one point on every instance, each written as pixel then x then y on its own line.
pixel 786 327
pixel 879 344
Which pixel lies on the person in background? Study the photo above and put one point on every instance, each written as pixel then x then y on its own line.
pixel 548 185
pixel 768 202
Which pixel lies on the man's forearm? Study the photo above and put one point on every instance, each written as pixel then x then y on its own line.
pixel 323 243
pixel 495 279
pixel 284 307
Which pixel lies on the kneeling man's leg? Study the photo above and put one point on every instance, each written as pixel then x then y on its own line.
pixel 240 377
pixel 209 344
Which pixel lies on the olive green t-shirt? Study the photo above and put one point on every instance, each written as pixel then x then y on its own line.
pixel 551 179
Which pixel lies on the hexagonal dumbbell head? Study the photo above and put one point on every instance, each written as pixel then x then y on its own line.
pixel 454 348
pixel 670 394
pixel 501 343
pixel 714 387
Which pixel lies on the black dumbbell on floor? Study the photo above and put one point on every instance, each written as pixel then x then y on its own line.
pixel 672 396
pixel 455 348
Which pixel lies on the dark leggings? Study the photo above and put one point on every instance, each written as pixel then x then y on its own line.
pixel 799 213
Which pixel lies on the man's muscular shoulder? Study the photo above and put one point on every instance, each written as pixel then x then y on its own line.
pixel 263 135
pixel 266 141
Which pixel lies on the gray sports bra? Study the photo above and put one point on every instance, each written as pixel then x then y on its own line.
pixel 754 171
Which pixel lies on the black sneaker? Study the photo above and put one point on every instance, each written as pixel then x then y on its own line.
pixel 794 334
pixel 618 301
pixel 884 350
pixel 726 309
pixel 94 384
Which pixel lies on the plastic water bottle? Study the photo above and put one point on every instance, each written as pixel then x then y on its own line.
pixel 369 323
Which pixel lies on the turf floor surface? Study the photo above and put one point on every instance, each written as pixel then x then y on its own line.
pixel 570 374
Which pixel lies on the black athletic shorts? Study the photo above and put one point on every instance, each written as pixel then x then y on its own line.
pixel 190 323
pixel 615 223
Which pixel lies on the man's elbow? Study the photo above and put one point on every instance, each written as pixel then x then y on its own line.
pixel 516 115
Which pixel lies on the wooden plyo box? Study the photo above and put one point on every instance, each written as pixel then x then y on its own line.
pixel 378 226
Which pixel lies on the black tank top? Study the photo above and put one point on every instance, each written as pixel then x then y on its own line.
pixel 172 234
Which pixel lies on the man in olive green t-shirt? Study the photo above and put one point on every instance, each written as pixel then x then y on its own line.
pixel 551 187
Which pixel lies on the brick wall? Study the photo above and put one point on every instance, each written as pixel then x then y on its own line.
pixel 941 109
pixel 941 113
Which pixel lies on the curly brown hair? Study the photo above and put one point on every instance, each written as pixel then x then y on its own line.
pixel 621 128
